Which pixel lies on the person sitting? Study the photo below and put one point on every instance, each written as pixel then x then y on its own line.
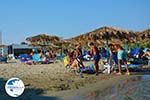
pixel 77 54
pixel 67 58
pixel 52 54
pixel 36 57
pixel 46 57
pixel 78 67
pixel 30 62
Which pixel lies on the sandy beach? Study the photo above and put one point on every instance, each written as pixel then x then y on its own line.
pixel 75 50
pixel 54 81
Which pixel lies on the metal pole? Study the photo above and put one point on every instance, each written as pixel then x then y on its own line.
pixel 0 38
pixel 107 39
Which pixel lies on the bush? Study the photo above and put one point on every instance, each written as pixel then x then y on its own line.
pixel 140 45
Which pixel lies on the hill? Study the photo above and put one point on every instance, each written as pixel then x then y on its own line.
pixel 102 34
pixel 99 36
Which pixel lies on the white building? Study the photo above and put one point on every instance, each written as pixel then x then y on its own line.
pixel 3 50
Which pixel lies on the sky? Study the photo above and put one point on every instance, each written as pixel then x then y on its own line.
pixel 20 19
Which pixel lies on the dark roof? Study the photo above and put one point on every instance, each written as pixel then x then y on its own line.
pixel 23 46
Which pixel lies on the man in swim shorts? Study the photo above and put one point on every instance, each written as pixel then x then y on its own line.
pixel 122 57
pixel 94 52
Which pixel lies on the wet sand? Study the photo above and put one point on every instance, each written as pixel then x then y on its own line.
pixel 136 87
pixel 53 81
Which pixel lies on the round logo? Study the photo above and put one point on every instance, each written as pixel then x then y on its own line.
pixel 14 87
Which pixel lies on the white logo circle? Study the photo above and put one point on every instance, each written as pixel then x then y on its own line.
pixel 14 87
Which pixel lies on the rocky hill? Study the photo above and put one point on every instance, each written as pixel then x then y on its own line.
pixel 43 40
pixel 145 35
pixel 47 40
pixel 99 36
pixel 102 34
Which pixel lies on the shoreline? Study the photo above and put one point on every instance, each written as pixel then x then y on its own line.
pixel 53 80
pixel 111 88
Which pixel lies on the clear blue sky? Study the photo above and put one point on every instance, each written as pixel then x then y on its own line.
pixel 67 18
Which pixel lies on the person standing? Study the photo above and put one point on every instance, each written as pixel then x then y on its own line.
pixel 122 57
pixel 94 52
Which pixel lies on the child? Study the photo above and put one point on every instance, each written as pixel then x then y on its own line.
pixel 122 57
pixel 96 56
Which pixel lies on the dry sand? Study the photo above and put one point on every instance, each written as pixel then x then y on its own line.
pixel 48 80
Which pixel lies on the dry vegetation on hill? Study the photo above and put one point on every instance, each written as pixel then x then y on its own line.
pixel 99 35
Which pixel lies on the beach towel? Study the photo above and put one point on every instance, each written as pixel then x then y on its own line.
pixel 89 69
pixel 135 51
pixel 24 57
pixel 36 58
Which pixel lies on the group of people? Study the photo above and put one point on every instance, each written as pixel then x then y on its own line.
pixel 121 57
pixel 94 53
pixel 39 56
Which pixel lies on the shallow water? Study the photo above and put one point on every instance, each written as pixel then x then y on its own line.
pixel 134 88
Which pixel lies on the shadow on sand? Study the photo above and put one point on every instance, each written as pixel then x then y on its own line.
pixel 29 94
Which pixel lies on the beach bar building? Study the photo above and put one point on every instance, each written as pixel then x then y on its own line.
pixel 17 49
